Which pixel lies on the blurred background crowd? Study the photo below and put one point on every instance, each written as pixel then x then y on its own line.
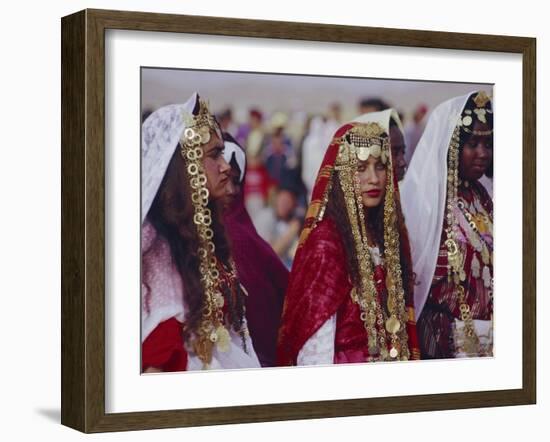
pixel 285 123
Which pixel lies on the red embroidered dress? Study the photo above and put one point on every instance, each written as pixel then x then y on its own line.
pixel 475 239
pixel 319 288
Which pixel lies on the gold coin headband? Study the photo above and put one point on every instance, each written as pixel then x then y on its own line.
pixel 480 113
pixel 364 140
pixel 201 125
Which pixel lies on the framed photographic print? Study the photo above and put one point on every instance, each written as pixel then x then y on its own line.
pixel 252 211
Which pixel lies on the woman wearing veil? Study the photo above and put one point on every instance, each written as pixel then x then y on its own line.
pixel 259 268
pixel 449 215
pixel 350 294
pixel 193 307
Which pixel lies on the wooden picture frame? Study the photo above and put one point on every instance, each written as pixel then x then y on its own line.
pixel 83 219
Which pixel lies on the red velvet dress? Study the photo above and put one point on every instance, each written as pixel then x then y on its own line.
pixel 164 348
pixel 319 288
pixel 263 275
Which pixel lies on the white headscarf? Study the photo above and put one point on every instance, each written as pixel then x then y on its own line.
pixel 424 191
pixel 313 150
pixel 160 135
pixel 231 150
pixel 162 287
pixel 382 118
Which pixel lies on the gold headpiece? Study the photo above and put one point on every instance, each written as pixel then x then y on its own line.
pixel 385 325
pixel 212 330
pixel 198 127
pixel 362 141
pixel 481 101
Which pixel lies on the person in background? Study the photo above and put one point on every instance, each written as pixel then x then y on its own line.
pixel 251 135
pixel 367 105
pixel 397 133
pixel 392 120
pixel 227 125
pixel 280 225
pixel 257 188
pixel 414 130
pixel 334 118
pixel 398 147
pixel 259 269
pixel 313 151
pixel 288 222
pixel 277 155
pixel 315 143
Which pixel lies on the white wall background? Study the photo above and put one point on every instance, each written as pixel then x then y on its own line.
pixel 30 192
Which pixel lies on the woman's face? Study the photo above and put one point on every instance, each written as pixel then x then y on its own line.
pixel 372 180
pixel 215 167
pixel 398 152
pixel 233 185
pixel 476 154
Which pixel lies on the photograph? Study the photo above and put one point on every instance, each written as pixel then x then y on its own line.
pixel 275 221
pixel 300 220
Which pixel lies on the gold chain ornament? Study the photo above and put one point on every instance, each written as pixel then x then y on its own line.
pixel 455 257
pixel 212 331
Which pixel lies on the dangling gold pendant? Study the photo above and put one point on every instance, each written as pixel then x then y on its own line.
pixel 475 267
pixel 213 336
pixel 223 340
pixel 454 256
pixel 393 325
pixel 394 353
pixel 218 300
pixel 203 347
pixel 471 345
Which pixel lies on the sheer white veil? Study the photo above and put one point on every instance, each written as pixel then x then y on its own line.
pixel 424 192
pixel 160 135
